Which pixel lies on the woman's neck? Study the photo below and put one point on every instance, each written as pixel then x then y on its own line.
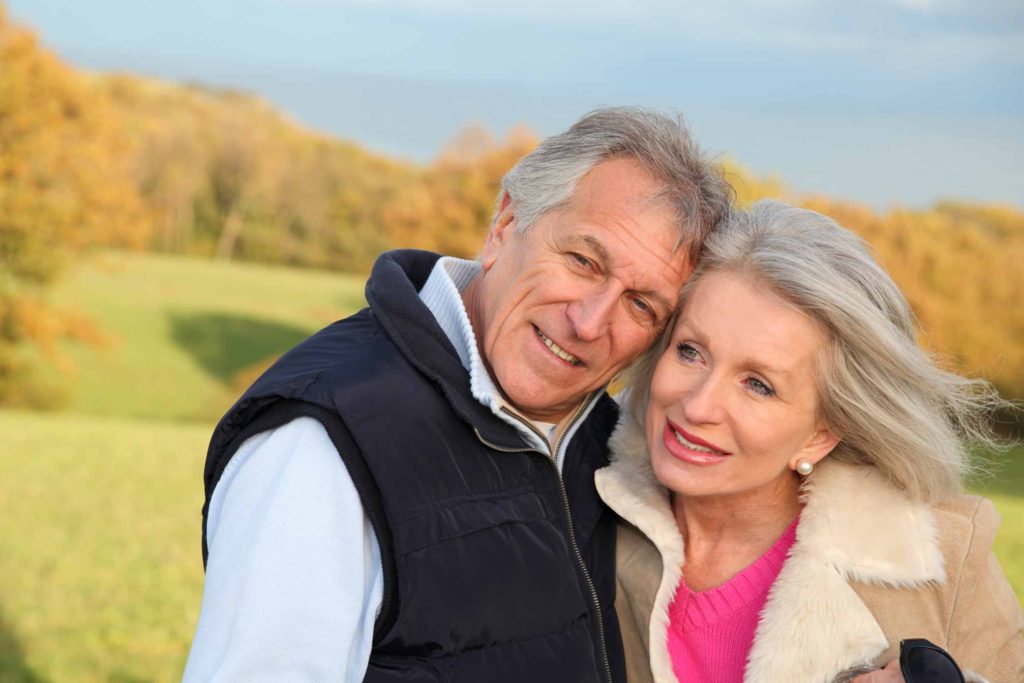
pixel 725 534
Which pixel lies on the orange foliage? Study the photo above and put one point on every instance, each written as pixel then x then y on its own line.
pixel 450 206
pixel 959 267
pixel 104 160
pixel 64 185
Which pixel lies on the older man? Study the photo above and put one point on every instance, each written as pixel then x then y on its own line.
pixel 408 495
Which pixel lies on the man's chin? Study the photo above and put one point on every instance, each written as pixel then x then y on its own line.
pixel 547 407
pixel 541 398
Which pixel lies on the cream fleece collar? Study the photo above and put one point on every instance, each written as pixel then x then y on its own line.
pixel 855 526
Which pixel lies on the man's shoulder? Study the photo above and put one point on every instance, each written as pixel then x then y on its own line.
pixel 345 346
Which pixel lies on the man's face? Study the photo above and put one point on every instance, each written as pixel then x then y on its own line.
pixel 559 311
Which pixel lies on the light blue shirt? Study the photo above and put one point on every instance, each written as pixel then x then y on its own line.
pixel 294 580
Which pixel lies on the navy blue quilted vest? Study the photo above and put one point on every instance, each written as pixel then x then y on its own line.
pixel 496 568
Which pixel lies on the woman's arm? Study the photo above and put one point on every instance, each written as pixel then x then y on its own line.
pixel 986 630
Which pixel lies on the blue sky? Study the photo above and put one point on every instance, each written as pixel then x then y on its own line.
pixel 881 101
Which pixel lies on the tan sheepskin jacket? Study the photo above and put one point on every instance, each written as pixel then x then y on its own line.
pixel 869 567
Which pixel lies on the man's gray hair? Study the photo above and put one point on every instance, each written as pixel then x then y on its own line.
pixel 892 405
pixel 694 187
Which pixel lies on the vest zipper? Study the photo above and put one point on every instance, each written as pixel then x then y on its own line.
pixel 552 460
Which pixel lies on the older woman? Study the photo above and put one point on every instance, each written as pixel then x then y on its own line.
pixel 790 469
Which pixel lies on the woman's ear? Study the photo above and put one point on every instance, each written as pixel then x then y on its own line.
pixel 819 445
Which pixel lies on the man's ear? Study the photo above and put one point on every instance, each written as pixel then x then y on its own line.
pixel 502 228
pixel 817 447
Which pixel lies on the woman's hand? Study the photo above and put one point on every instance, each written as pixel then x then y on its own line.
pixel 890 674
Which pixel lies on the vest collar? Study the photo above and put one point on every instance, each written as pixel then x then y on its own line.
pixel 855 526
pixel 392 292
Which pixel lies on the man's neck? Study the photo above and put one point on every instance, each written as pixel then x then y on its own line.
pixel 471 296
pixel 464 324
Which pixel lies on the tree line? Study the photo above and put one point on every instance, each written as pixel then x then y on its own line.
pixel 97 161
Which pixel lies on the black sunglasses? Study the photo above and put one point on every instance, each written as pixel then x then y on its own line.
pixel 922 661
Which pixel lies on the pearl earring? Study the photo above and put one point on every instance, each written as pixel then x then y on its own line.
pixel 804 466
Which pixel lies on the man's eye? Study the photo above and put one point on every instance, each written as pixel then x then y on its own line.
pixel 643 307
pixel 581 260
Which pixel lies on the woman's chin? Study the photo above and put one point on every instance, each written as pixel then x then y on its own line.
pixel 686 478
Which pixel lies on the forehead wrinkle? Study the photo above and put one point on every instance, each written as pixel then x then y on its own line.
pixel 630 207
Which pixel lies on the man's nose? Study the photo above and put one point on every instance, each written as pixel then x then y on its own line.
pixel 591 314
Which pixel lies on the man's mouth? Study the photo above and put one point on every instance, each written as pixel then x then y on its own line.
pixel 556 349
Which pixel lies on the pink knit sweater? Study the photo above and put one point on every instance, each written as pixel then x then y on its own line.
pixel 710 632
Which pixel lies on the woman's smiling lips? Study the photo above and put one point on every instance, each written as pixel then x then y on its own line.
pixel 690 448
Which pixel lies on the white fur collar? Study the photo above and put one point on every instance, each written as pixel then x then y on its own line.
pixel 854 526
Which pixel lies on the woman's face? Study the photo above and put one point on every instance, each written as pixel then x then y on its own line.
pixel 733 402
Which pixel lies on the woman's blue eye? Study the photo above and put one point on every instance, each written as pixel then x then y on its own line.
pixel 759 387
pixel 687 352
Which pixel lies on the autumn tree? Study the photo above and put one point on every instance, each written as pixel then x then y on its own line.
pixel 63 187
pixel 226 174
pixel 223 173
pixel 749 187
pixel 449 208
pixel 958 266
pixel 169 149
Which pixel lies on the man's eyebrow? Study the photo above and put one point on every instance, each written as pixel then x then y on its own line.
pixel 598 246
pixel 606 257
pixel 662 301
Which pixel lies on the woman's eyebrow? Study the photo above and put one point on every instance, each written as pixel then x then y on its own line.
pixel 765 369
pixel 692 331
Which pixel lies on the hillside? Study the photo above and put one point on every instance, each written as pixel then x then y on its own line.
pixel 181 332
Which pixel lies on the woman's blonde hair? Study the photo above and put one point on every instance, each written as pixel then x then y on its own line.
pixel 892 405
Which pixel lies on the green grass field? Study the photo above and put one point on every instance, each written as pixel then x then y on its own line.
pixel 100 566
pixel 100 569
pixel 181 328
pixel 1006 489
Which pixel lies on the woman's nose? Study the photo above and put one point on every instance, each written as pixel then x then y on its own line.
pixel 703 403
